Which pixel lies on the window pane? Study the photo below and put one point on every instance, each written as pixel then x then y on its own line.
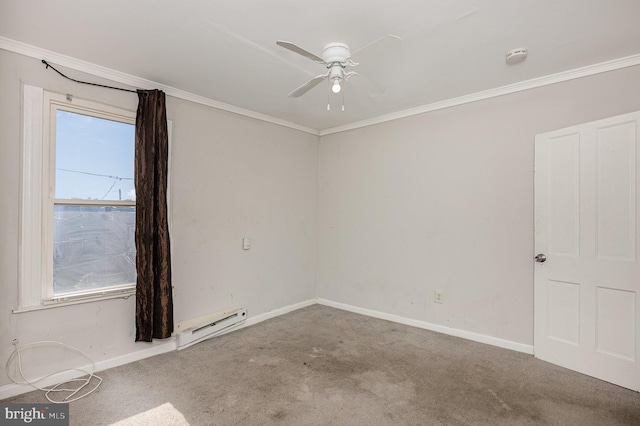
pixel 94 247
pixel 94 158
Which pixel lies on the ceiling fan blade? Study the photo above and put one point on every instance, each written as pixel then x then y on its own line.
pixel 386 43
pixel 300 51
pixel 307 86
pixel 373 88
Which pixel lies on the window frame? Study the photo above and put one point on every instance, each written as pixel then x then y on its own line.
pixel 55 103
pixel 38 198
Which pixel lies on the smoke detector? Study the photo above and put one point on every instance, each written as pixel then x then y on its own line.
pixel 517 55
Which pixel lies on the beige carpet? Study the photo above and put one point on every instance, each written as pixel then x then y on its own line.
pixel 323 366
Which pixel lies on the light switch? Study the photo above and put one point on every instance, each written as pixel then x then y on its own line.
pixel 246 243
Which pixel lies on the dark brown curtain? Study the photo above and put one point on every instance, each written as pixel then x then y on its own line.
pixel 154 300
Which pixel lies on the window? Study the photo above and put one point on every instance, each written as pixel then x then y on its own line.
pixel 93 200
pixel 78 189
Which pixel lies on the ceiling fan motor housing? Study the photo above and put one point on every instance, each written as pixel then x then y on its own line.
pixel 336 52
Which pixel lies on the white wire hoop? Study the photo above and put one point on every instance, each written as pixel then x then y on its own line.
pixel 74 392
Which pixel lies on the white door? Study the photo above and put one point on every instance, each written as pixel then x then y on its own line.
pixel 587 224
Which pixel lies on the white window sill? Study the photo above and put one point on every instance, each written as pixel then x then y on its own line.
pixel 75 299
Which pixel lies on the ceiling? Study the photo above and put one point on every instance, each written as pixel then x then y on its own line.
pixel 225 50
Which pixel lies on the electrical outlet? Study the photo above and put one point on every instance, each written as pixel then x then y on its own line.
pixel 438 296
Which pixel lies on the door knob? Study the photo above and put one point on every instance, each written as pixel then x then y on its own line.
pixel 540 258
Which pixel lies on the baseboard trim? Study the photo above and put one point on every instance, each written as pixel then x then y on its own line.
pixel 13 389
pixel 276 313
pixel 469 335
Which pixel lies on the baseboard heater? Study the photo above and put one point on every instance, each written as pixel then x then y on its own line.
pixel 198 329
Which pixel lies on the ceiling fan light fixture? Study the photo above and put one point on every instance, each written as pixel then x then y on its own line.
pixel 336 86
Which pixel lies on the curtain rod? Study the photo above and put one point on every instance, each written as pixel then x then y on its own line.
pixel 86 82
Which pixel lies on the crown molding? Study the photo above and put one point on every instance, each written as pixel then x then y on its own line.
pixel 612 65
pixel 133 81
pixel 137 82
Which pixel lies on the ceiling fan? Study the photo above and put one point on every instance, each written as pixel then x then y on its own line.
pixel 336 57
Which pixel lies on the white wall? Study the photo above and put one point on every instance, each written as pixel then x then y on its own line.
pixel 231 177
pixel 235 177
pixel 444 201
